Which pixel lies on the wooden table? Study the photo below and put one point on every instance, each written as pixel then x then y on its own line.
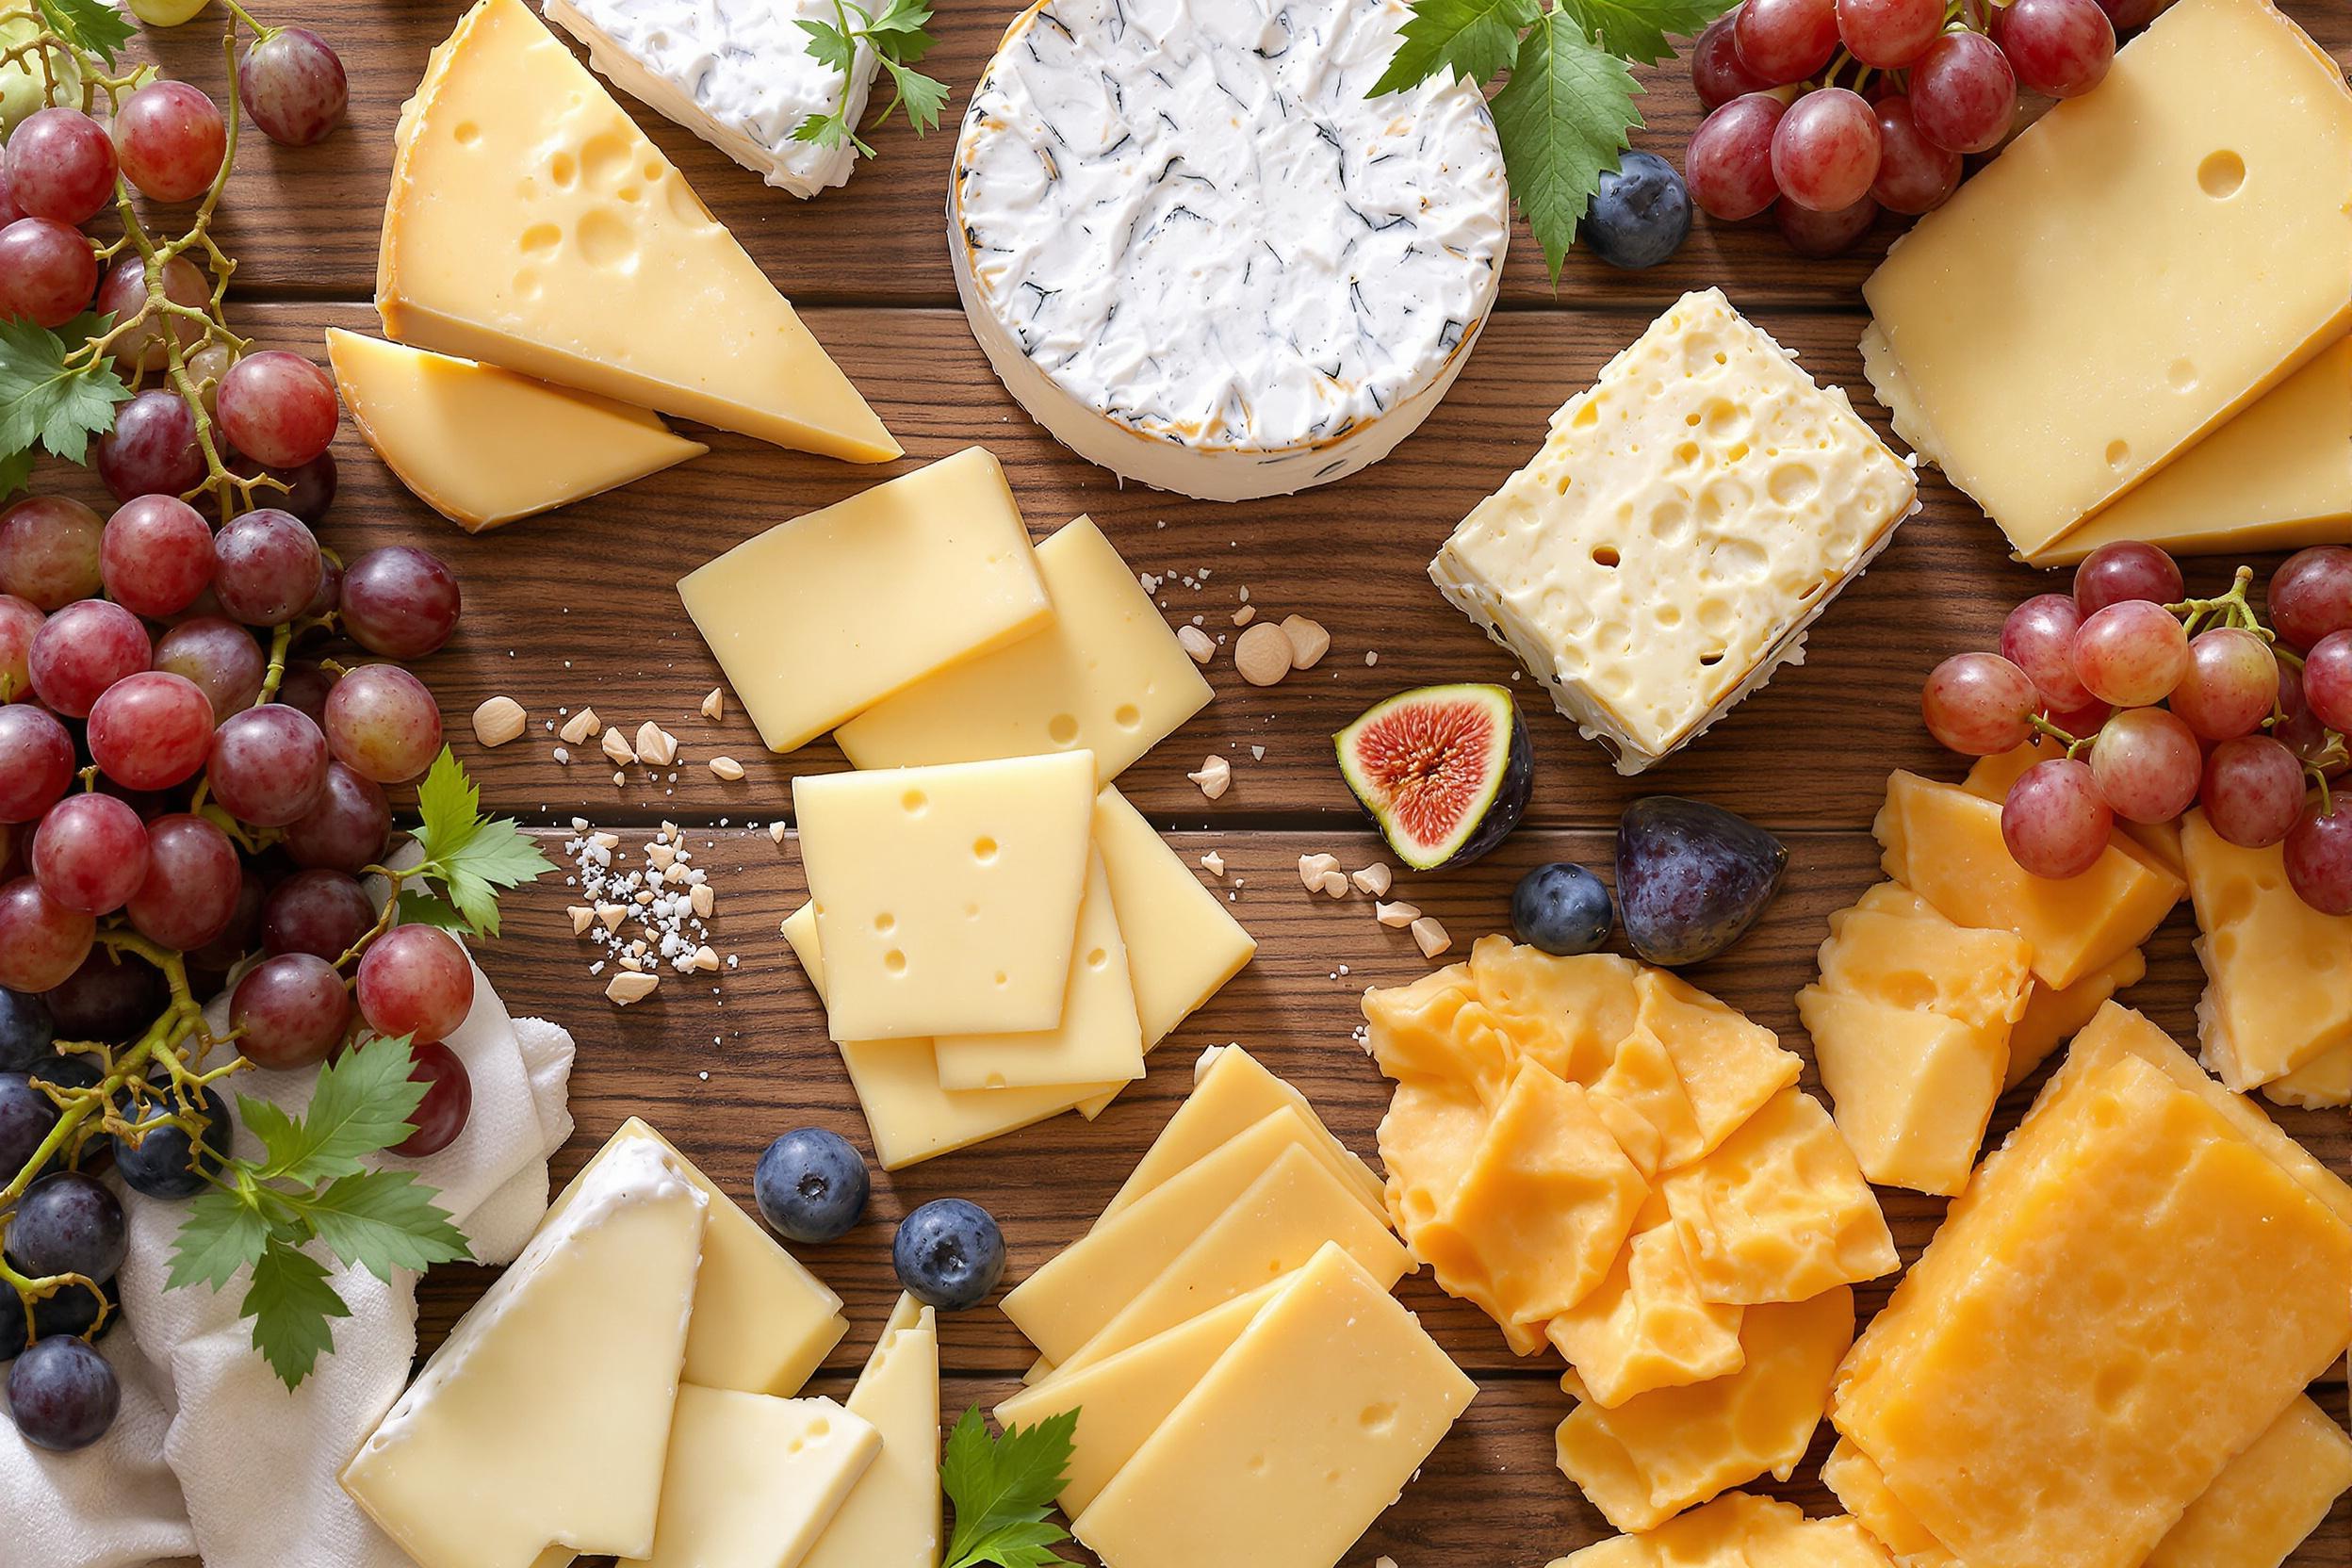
pixel 579 608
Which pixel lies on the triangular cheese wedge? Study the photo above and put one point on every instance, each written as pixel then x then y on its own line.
pixel 754 1480
pixel 531 224
pixel 484 447
pixel 892 1519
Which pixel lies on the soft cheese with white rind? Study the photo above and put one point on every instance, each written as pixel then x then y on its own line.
pixel 739 73
pixel 1198 252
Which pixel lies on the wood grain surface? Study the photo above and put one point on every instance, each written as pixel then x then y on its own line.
pixel 580 609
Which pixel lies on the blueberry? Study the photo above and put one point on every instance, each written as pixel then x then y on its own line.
pixel 949 1253
pixel 158 1164
pixel 26 1115
pixel 1561 909
pixel 26 1032
pixel 68 1224
pixel 1640 216
pixel 63 1394
pixel 811 1185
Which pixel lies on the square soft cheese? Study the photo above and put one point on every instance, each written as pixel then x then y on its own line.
pixel 820 618
pixel 947 898
pixel 1685 519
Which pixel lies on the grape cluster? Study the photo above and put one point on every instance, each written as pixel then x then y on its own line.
pixel 1826 112
pixel 2159 702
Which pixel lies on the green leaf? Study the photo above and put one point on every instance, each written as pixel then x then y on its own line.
pixel 902 17
pixel 1564 116
pixel 828 46
pixel 91 23
pixel 1638 29
pixel 924 96
pixel 418 907
pixel 280 1135
pixel 361 1106
pixel 220 1234
pixel 471 857
pixel 16 473
pixel 43 400
pixel 1473 39
pixel 291 1303
pixel 1003 1489
pixel 383 1220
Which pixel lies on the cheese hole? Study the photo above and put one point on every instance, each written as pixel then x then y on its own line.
pixel 630 193
pixel 653 173
pixel 1793 483
pixel 2118 454
pixel 1668 615
pixel 1127 716
pixel 886 923
pixel 795 1445
pixel 540 237
pixel 468 133
pixel 604 159
pixel 1062 729
pixel 1377 1418
pixel 1587 417
pixel 894 961
pixel 605 241
pixel 526 283
pixel 1708 660
pixel 1670 522
pixel 914 803
pixel 994 1080
pixel 984 849
pixel 564 170
pixel 2184 374
pixel 1002 979
pixel 1605 557
pixel 1098 958
pixel 971 911
pixel 2221 174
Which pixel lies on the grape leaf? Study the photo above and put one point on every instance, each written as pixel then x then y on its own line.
pixel 290 1304
pixel 361 1106
pixel 1564 116
pixel 220 1234
pixel 1474 38
pixel 1638 29
pixel 471 856
pixel 16 473
pixel 383 1220
pixel 43 400
pixel 92 25
pixel 1003 1489
pixel 424 908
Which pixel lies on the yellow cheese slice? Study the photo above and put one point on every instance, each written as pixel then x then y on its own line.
pixel 1855 1482
pixel 2268 1499
pixel 1990 776
pixel 1642 1079
pixel 1645 1327
pixel 1780 1212
pixel 1912 1090
pixel 1107 675
pixel 1566 1013
pixel 1427 1140
pixel 1653 1456
pixel 1737 1530
pixel 1924 963
pixel 2055 1014
pixel 2077 316
pixel 752 1481
pixel 821 617
pixel 2277 972
pixel 1729 1066
pixel 1097 1039
pixel 2324 1081
pixel 484 447
pixel 2278 477
pixel 1296 1440
pixel 1438 1031
pixel 891 1520
pixel 531 224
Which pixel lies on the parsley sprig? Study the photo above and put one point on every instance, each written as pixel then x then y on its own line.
pixel 1003 1489
pixel 898 41
pixel 469 856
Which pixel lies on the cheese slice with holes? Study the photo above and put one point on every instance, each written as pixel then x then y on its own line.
pixel 752 1481
pixel 1686 520
pixel 2277 972
pixel 892 1518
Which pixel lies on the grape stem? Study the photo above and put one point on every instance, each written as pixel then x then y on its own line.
pixel 2229 608
pixel 2072 745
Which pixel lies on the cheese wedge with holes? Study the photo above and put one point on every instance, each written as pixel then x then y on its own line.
pixel 752 1481
pixel 892 1518
pixel 484 447
pixel 1686 518
pixel 531 224
pixel 1106 675
pixel 2277 972
pixel 2075 318
pixel 1737 1530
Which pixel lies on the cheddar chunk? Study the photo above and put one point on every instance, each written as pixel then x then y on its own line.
pixel 1913 1089
pixel 1737 1530
pixel 2055 1014
pixel 1729 1066
pixel 2322 1081
pixel 1855 1482
pixel 2268 1499
pixel 1567 1013
pixel 2279 974
pixel 1642 1078
pixel 1645 1327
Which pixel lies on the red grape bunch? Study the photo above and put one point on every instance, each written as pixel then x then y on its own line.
pixel 2157 702
pixel 1826 112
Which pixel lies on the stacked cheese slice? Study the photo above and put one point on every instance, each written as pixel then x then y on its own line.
pixel 1246 1389
pixel 1604 1159
pixel 626 1388
pixel 2073 337
pixel 2100 1358
pixel 531 225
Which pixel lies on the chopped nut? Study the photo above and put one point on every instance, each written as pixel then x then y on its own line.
pixel 1371 657
pixel 562 755
pixel 1373 879
pixel 578 727
pixel 609 916
pixel 1397 914
pixel 776 831
pixel 620 779
pixel 1246 613
pixel 1309 642
pixel 656 744
pixel 605 841
pixel 582 918
pixel 1213 863
pixel 726 768
pixel 631 986
pixel 1431 937
pixel 1197 643
pixel 1335 884
pixel 1215 777
pixel 644 895
pixel 1263 654
pixel 702 898
pixel 1313 868
pixel 659 854
pixel 498 720
pixel 617 747
pixel 715 706
pixel 706 960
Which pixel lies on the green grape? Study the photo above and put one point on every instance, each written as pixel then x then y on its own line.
pixel 167 13
pixel 21 80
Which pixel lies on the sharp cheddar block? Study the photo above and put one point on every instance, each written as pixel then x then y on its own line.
pixel 531 224
pixel 1658 1453
pixel 1780 1212
pixel 1913 1090
pixel 1107 675
pixel 2277 972
pixel 752 1481
pixel 1944 843
pixel 1737 1530
pixel 2001 339
pixel 891 1520
pixel 1645 1327
pixel 2268 1499
pixel 1729 1066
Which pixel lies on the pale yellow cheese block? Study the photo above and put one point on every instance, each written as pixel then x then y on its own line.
pixel 2125 276
pixel 2278 477
pixel 1181 940
pixel 1913 1090
pixel 752 1480
pixel 1737 1530
pixel 1294 1442
pixel 892 1519
pixel 1107 675
pixel 531 224
pixel 484 447
pixel 2277 972
pixel 821 617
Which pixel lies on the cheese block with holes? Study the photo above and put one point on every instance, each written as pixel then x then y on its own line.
pixel 892 1519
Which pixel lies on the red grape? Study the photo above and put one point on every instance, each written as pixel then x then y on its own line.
pixel 41 942
pixel 110 998
pixel 1824 234
pixel 205 367
pixel 170 139
pixel 2310 595
pixel 36 761
pixel 221 657
pixel 415 980
pixel 1729 166
pixel 2231 685
pixel 2328 682
pixel 268 766
pixel 124 295
pixel 2128 14
pixel 348 829
pixel 305 686
pixel 2131 653
pixel 2298 729
pixel 1915 175
pixel 441 1116
pixel 382 724
pixel 294 85
pixel 2038 638
pixel 2147 764
pixel 399 602
pixel 323 912
pixel 2055 821
pixel 1825 150
pixel 60 166
pixel 328 596
pixel 292 1010
pixel 150 730
pixel 227 950
pixel 1786 40
pixel 152 450
pixel 1962 93
pixel 2318 853
pixel 2252 791
pixel 2058 48
pixel 155 555
pixel 9 211
pixel 20 622
pixel 1715 68
pixel 1889 34
pixel 267 566
pixel 1979 704
pixel 277 408
pixel 90 853
pixel 189 894
pixel 85 648
pixel 47 272
pixel 2127 569
pixel 49 551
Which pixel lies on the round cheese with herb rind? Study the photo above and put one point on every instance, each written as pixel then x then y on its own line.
pixel 1200 254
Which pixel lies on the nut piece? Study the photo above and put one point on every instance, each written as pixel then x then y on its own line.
pixel 631 986
pixel 702 899
pixel 1215 777
pixel 1197 643
pixel 498 720
pixel 706 960
pixel 1396 916
pixel 775 830
pixel 1335 884
pixel 1431 937
pixel 578 727
pixel 656 744
pixel 1309 642
pixel 582 918
pixel 1263 654
pixel 726 768
pixel 609 914
pixel 1246 613
pixel 616 746
pixel 1374 879
pixel 1313 868
pixel 715 706
pixel 1213 863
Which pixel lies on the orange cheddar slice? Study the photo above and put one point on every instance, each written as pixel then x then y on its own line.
pixel 1913 1089
pixel 1645 1327
pixel 1641 1079
pixel 2277 972
pixel 1437 1030
pixel 1855 1482
pixel 2055 1014
pixel 1729 1066
pixel 2270 1498
pixel 2322 1081
pixel 1427 1140
pixel 1567 1013
pixel 1737 1530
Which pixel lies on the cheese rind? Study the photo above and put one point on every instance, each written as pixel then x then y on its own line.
pixel 821 617
pixel 752 1481
pixel 891 1519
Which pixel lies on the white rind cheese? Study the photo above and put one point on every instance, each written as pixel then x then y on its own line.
pixel 738 74
pixel 1200 256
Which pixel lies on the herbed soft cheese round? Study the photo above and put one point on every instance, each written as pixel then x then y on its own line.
pixel 1198 254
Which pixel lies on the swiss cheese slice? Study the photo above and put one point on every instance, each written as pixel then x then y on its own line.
pixel 891 1519
pixel 752 1480
pixel 2277 972
pixel 531 224
pixel 484 447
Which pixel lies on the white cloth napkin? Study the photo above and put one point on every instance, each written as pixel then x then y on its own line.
pixel 211 1457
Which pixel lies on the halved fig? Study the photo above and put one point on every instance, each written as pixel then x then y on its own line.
pixel 1443 770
